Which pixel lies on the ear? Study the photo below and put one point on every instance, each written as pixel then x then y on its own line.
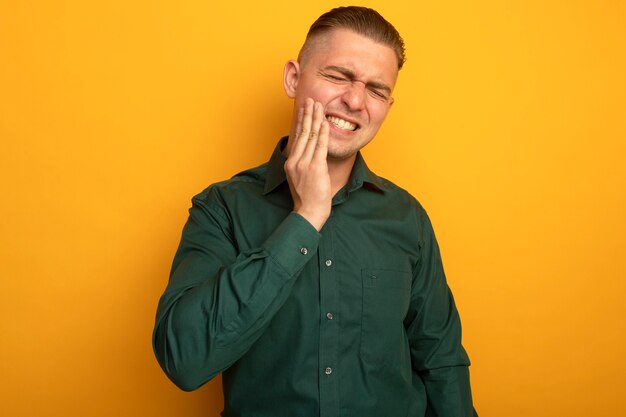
pixel 391 101
pixel 291 75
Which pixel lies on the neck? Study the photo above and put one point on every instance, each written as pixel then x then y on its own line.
pixel 339 171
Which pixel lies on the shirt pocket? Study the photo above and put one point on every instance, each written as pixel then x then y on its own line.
pixel 386 298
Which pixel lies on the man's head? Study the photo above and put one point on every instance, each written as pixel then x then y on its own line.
pixel 362 20
pixel 349 63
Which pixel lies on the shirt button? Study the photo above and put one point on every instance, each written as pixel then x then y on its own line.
pixel 304 251
pixel 328 262
pixel 329 316
pixel 328 371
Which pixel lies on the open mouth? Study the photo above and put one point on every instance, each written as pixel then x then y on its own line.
pixel 342 124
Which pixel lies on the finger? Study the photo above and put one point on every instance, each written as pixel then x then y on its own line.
pixel 318 118
pixel 321 150
pixel 299 123
pixel 305 129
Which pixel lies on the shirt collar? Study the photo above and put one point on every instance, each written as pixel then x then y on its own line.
pixel 359 176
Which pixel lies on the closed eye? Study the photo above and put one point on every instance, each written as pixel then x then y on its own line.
pixel 333 77
pixel 338 75
pixel 378 94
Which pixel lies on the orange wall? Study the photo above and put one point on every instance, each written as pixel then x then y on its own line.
pixel 509 125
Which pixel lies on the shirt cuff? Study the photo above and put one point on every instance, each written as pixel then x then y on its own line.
pixel 293 243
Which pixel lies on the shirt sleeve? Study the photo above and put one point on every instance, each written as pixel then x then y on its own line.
pixel 218 301
pixel 434 331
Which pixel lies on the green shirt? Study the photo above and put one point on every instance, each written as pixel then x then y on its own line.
pixel 356 320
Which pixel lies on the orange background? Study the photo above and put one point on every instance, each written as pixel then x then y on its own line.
pixel 509 126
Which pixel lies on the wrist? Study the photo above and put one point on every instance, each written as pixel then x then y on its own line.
pixel 317 218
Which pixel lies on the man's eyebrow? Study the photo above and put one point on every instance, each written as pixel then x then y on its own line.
pixel 352 77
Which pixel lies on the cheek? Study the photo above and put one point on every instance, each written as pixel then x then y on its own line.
pixel 378 112
pixel 327 92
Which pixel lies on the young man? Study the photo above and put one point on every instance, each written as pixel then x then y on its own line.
pixel 314 285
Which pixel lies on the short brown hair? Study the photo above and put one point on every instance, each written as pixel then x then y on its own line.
pixel 362 20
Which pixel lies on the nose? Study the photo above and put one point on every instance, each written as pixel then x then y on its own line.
pixel 354 95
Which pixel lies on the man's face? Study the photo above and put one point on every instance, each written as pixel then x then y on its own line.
pixel 352 77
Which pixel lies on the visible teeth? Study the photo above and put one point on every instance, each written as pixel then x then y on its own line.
pixel 340 123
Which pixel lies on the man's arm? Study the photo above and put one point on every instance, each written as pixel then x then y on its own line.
pixel 434 331
pixel 218 301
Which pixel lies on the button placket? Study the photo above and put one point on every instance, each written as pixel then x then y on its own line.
pixel 328 325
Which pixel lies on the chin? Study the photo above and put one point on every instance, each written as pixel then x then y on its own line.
pixel 341 154
pixel 341 149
